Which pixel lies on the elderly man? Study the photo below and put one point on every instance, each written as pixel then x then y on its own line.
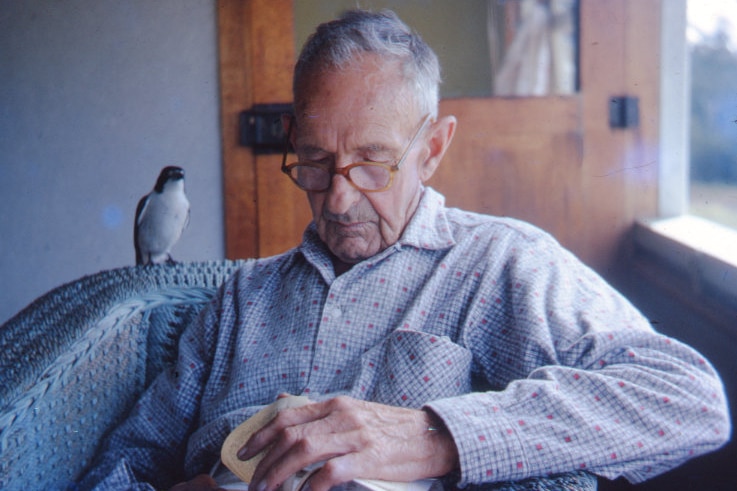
pixel 433 342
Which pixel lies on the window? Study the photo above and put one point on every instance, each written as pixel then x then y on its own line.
pixel 693 243
pixel 712 45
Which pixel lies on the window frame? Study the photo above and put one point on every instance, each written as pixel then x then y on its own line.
pixel 693 257
pixel 675 103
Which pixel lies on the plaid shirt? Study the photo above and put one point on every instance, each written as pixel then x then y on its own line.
pixel 533 362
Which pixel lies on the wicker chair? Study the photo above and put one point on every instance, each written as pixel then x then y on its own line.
pixel 74 362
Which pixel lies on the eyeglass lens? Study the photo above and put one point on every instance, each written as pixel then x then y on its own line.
pixel 368 176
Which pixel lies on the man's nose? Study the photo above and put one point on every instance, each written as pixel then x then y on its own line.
pixel 341 195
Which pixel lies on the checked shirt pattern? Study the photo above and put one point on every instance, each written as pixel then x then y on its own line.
pixel 534 363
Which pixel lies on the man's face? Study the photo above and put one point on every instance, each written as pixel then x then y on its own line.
pixel 361 113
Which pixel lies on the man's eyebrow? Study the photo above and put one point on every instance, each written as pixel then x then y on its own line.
pixel 374 148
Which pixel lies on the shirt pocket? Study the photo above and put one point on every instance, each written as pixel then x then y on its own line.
pixel 411 368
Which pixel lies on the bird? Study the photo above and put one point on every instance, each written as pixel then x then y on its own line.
pixel 161 217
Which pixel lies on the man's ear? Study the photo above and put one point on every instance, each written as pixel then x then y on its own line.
pixel 442 132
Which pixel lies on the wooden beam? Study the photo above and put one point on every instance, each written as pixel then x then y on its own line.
pixel 256 43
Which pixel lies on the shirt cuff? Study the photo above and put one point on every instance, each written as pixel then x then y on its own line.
pixel 489 449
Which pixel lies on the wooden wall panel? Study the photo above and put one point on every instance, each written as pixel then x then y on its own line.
pixel 526 164
pixel 619 56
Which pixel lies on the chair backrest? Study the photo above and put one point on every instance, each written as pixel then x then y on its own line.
pixel 74 361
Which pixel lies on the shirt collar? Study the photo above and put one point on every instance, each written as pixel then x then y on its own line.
pixel 429 227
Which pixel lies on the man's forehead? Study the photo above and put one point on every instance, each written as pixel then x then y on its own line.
pixel 368 81
pixel 322 132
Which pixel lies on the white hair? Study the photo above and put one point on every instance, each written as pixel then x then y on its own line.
pixel 337 43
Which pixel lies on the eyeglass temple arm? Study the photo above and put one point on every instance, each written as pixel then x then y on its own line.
pixel 412 141
pixel 287 144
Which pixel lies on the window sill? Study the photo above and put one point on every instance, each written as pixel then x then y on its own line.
pixel 693 258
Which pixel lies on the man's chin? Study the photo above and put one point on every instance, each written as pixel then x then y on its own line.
pixel 351 254
pixel 350 259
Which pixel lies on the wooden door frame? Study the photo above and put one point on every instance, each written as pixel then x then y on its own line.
pixel 254 37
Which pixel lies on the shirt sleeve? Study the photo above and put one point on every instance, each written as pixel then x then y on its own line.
pixel 582 381
pixel 147 450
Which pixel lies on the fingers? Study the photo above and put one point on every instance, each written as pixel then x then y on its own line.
pixel 297 439
pixel 353 439
pixel 294 453
pixel 286 418
pixel 355 465
pixel 203 482
pixel 336 471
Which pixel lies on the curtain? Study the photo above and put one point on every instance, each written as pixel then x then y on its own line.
pixel 532 45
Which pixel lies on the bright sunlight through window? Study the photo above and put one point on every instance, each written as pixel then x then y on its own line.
pixel 712 42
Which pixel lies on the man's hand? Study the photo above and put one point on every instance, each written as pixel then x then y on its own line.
pixel 355 439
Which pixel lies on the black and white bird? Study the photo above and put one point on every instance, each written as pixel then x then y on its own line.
pixel 161 216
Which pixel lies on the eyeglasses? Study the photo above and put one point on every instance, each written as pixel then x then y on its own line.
pixel 369 177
